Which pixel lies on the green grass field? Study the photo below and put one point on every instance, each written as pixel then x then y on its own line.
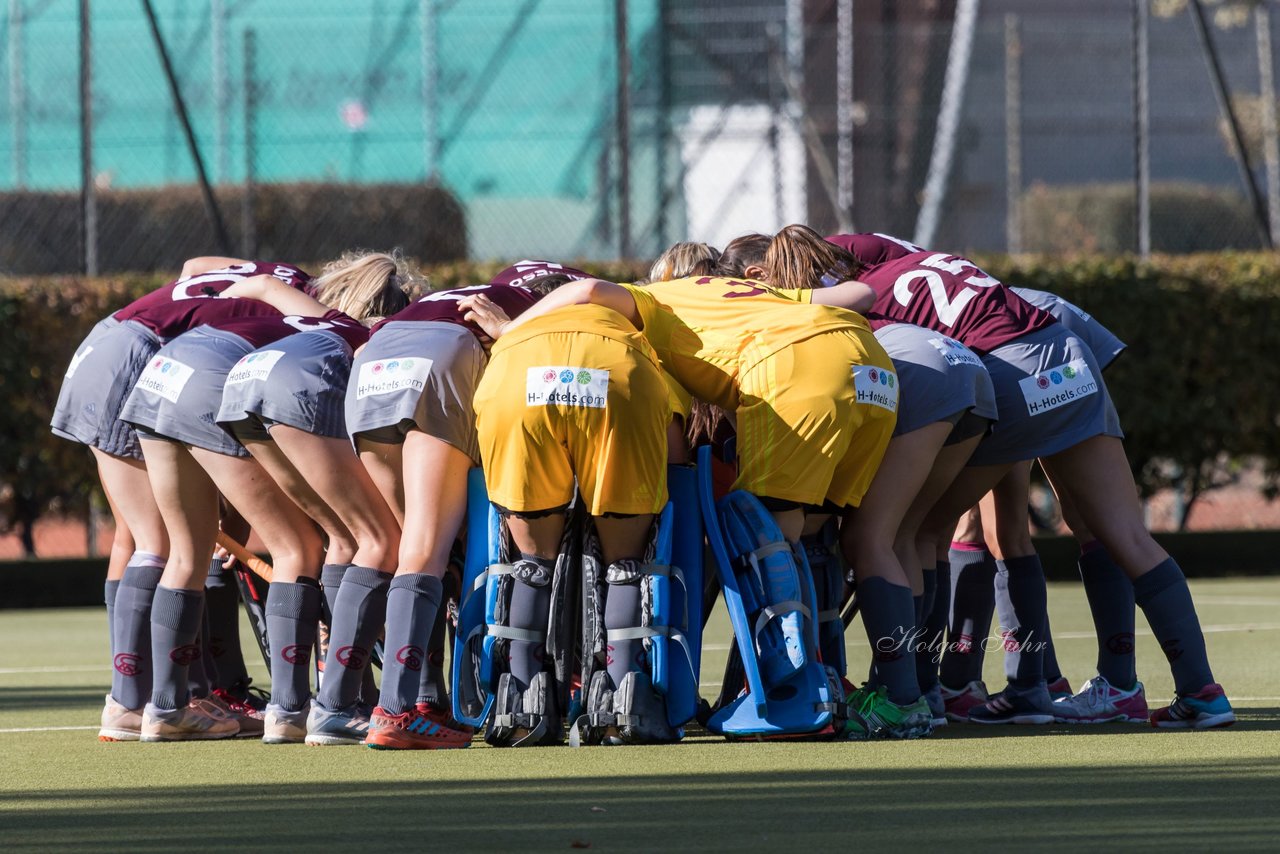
pixel 1059 787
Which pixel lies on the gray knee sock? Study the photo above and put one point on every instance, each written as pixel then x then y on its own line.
pixel 888 616
pixel 932 624
pixel 412 604
pixel 175 629
pixel 969 619
pixel 1110 594
pixel 330 582
pixel 1163 596
pixel 199 680
pixel 530 607
pixel 358 616
pixel 293 613
pixel 1023 578
pixel 433 687
pixel 131 636
pixel 622 611
pixel 222 610
pixel 109 590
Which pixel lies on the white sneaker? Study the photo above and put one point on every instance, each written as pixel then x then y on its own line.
pixel 119 723
pixel 281 726
pixel 1100 702
pixel 196 721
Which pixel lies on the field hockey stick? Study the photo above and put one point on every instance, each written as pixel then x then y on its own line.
pixel 260 567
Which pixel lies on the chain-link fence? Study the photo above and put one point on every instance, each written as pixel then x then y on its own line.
pixel 498 128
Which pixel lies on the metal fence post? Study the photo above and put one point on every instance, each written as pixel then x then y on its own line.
pixel 1013 132
pixel 623 117
pixel 248 221
pixel 88 192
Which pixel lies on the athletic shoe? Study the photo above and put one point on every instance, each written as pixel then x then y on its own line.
pixel 1205 709
pixel 937 706
pixel 961 701
pixel 1060 689
pixel 880 717
pixel 444 717
pixel 246 693
pixel 411 730
pixel 1008 707
pixel 249 718
pixel 196 721
pixel 281 726
pixel 1100 702
pixel 330 728
pixel 119 723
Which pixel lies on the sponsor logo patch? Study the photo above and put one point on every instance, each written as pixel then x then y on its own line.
pixel 1058 386
pixel 165 377
pixel 296 653
pixel 955 353
pixel 185 654
pixel 385 376
pixel 566 386
pixel 352 657
pixel 410 656
pixel 876 386
pixel 255 366
pixel 127 664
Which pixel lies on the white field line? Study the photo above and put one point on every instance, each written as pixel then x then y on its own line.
pixel 45 729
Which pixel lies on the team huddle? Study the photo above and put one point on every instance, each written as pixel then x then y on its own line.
pixel 514 463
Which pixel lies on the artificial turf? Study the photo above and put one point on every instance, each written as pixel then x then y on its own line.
pixel 1100 787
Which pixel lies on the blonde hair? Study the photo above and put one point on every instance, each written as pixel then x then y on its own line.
pixel 684 259
pixel 798 258
pixel 367 285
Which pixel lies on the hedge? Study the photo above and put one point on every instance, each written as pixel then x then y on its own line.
pixel 1198 388
pixel 157 229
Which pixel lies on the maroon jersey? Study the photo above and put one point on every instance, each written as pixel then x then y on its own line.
pixel 526 271
pixel 873 249
pixel 951 294
pixel 212 283
pixel 261 331
pixel 442 306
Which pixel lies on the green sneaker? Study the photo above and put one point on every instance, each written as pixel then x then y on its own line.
pixel 876 716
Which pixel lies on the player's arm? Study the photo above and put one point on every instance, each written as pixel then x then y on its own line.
pixel 852 295
pixel 205 263
pixel 481 310
pixel 278 295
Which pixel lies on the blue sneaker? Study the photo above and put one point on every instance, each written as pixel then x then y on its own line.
pixel 1205 709
pixel 1008 707
pixel 344 726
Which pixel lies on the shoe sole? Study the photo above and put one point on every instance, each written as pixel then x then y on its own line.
pixel 416 745
pixel 317 740
pixel 114 735
pixel 1031 720
pixel 187 736
pixel 1212 721
pixel 283 739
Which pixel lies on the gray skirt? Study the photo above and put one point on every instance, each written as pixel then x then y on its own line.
pixel 300 381
pixel 1101 340
pixel 940 378
pixel 415 374
pixel 1050 394
pixel 97 384
pixel 178 395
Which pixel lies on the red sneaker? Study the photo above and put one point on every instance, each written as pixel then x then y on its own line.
pixel 411 731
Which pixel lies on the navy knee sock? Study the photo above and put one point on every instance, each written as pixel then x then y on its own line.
pixel 932 623
pixel 413 602
pixel 293 615
pixel 1163 596
pixel 889 618
pixel 1023 577
pixel 359 612
pixel 222 610
pixel 1110 595
pixel 622 611
pixel 972 590
pixel 175 630
pixel 109 590
pixel 132 670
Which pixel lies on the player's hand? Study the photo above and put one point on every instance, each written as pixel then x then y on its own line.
pixel 227 558
pixel 486 314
